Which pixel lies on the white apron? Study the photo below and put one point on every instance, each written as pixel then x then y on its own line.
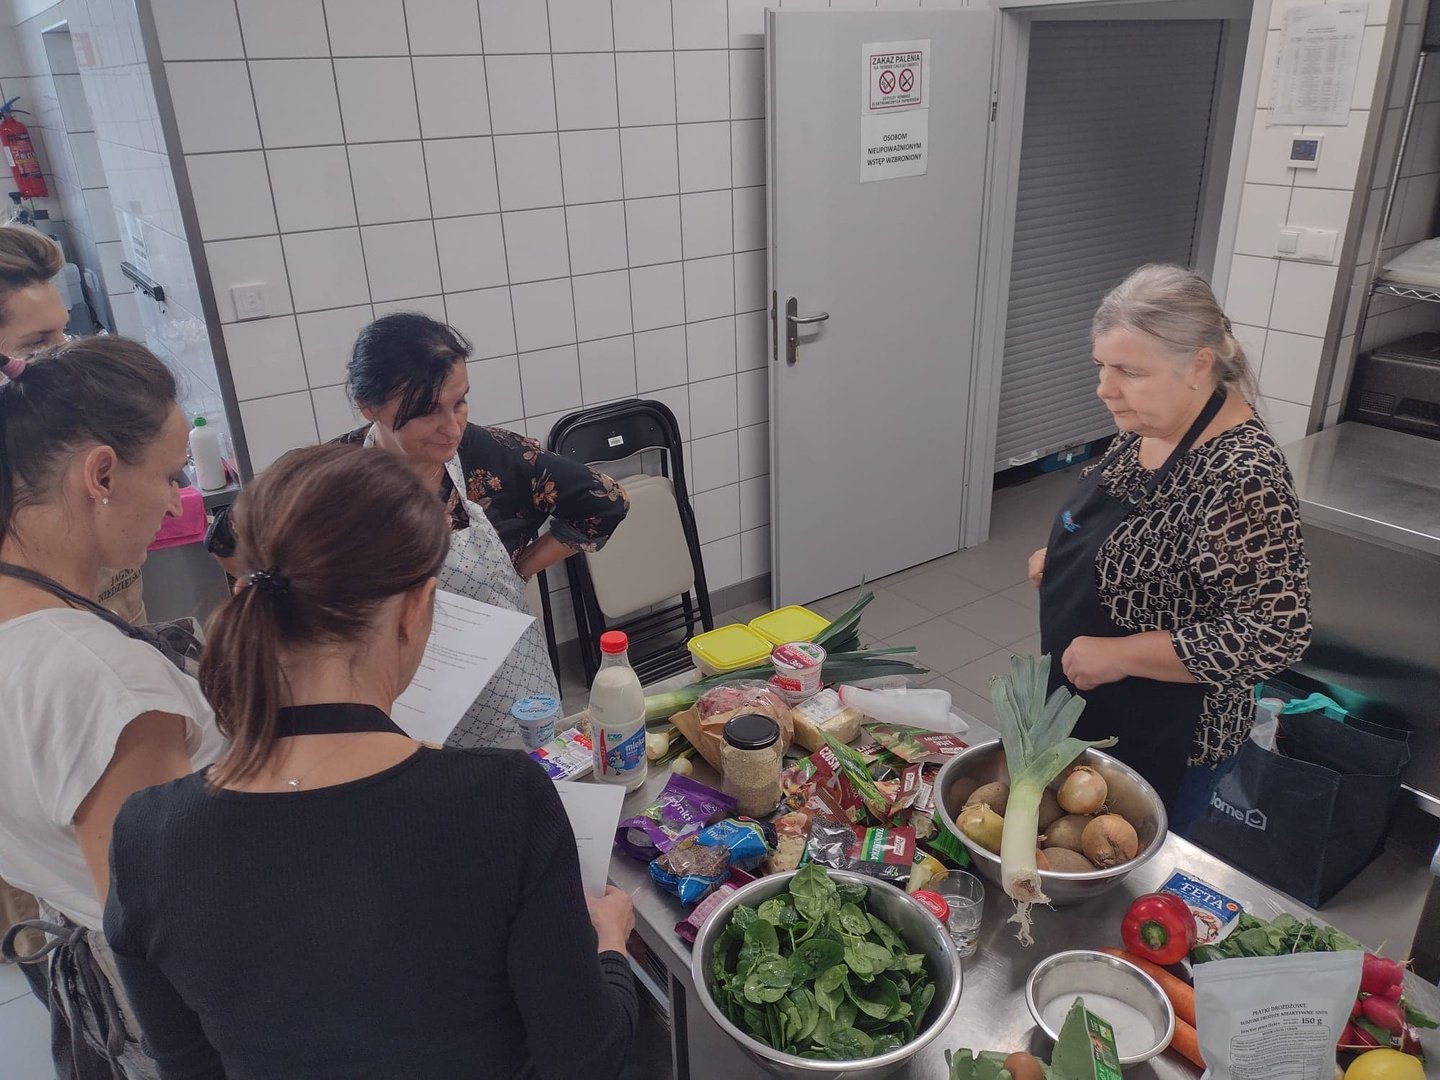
pixel 478 566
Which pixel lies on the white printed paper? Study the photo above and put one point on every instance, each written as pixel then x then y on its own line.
pixel 594 812
pixel 892 146
pixel 894 109
pixel 1318 62
pixel 468 643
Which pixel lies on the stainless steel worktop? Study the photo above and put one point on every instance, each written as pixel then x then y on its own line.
pixel 992 1013
pixel 1371 483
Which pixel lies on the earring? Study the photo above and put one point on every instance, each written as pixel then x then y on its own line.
pixel 1194 387
pixel 105 501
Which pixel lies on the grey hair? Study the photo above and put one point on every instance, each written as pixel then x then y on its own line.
pixel 1177 308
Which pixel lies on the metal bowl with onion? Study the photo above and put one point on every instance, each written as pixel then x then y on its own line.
pixel 1130 796
pixel 904 914
pixel 1077 972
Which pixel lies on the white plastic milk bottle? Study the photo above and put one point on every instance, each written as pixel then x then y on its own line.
pixel 617 715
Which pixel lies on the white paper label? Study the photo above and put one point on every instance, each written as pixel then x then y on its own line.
pixel 892 146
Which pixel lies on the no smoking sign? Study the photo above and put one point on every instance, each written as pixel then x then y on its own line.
pixel 896 80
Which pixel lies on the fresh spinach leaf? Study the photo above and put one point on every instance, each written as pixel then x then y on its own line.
pixel 853 921
pixel 814 956
pixel 851 1043
pixel 769 979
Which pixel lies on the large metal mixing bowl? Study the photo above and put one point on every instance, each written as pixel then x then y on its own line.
pixel 1130 796
pixel 907 916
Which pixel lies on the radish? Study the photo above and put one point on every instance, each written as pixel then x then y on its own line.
pixel 1356 1010
pixel 1410 1042
pixel 1381 977
pixel 1384 1014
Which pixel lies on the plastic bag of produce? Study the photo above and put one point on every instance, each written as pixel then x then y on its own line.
pixel 683 808
pixel 704 725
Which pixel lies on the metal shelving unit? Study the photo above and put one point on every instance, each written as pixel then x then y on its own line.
pixel 1428 293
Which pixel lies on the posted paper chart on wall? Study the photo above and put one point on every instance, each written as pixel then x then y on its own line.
pixel 894 109
pixel 1318 62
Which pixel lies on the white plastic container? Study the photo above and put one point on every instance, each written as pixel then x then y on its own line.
pixel 922 707
pixel 617 716
pixel 798 666
pixel 535 716
pixel 206 454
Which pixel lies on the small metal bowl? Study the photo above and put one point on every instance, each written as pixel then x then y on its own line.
pixel 1072 974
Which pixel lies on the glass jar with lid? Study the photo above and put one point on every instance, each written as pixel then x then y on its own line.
pixel 750 757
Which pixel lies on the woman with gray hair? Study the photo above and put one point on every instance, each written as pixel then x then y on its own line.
pixel 1175 578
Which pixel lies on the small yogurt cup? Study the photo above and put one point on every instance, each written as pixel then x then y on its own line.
pixel 536 716
pixel 798 666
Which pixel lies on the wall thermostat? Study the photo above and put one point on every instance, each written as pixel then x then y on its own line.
pixel 1305 152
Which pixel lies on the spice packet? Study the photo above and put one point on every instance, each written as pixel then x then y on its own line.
pixel 691 869
pixel 884 853
pixel 914 745
pixel 1215 913
pixel 567 756
pixel 818 785
pixel 748 842
pixel 688 928
pixel 857 771
pixel 683 807
pixel 922 810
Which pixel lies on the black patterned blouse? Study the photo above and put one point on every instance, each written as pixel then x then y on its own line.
pixel 519 484
pixel 1215 557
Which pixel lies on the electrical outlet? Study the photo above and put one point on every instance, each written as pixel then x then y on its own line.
pixel 250 301
pixel 1317 245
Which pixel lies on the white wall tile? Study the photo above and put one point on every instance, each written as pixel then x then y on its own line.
pixel 484 317
pixel 704 157
pixel 451 93
pixel 677 400
pixel 401 260
pixel 377 100
pixel 265 357
pixel 647 88
pixel 538 428
pixel 366 27
pixel 607 369
pixel 706 225
pixel 653 227
pixel 494 389
pixel 648 155
pixel 1304 293
pixel 88 164
pixel 747 84
pixel 752 340
pixel 714 462
pixel 754 451
pixel 580 26
pixel 755 503
pixel 326 339
pixel 536 245
pixel 1368 69
pixel 529 170
pixel 712 406
pixel 1286 421
pixel 747 23
pixel 717 513
pixel 585 91
pixel 462 177
pixel 1292 363
pixel 275 425
pixel 1263 209
pixel 1269 152
pixel 282 28
pixel 597 237
pixel 747 152
pixel 590 165
pixel 602 305
pixel 642 24
pixel 248 262
pixel 213 106
pixel 433 306
pixel 389 181
pixel 327 269
pixel 700 24
pixel 334 415
pixel 522 94
pixel 514 26
pixel 544 317
pixel 711 348
pixel 749 210
pixel 279 86
pixel 660 359
pixel 101 211
pixel 1252 340
pixel 752 391
pixel 197 29
pixel 443 26
pixel 722 563
pixel 472 253
pixel 755 552
pixel 550 379
pixel 312 188
pixel 232 194
pixel 1320 208
pixel 750 282
pixel 657 296
pixel 702 86
pixel 709 288
pixel 1251 290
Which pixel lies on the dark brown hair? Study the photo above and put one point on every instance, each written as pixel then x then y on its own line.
pixel 27 258
pixel 405 357
pixel 335 532
pixel 105 391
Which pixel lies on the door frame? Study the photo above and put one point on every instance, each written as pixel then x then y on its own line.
pixel 1237 82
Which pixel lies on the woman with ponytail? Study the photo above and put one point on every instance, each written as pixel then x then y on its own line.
pixel 264 913
pixel 91 445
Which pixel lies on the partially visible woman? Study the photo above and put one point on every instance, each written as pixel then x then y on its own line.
pixel 1175 578
pixel 407 375
pixel 383 909
pixel 91 442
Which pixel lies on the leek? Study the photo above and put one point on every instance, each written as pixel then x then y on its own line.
pixel 1035 730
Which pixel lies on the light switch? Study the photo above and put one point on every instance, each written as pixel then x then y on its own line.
pixel 1288 241
pixel 250 301
pixel 1317 244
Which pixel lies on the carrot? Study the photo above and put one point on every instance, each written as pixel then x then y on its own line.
pixel 1180 993
pixel 1186 1043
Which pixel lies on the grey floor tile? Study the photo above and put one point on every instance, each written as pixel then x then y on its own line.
pixel 998 619
pixel 1030 645
pixel 25 1040
pixel 970 704
pixel 889 614
pixel 995 564
pixel 939 591
pixel 1024 594
pixel 976 675
pixel 12 983
pixel 942 646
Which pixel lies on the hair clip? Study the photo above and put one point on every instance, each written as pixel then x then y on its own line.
pixel 271 582
pixel 12 367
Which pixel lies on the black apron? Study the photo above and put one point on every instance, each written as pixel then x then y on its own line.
pixel 1155 721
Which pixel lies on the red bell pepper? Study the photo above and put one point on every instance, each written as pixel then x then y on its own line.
pixel 1159 927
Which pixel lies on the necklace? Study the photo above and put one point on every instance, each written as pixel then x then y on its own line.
pixel 295 781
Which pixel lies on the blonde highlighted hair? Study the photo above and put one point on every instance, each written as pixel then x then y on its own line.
pixel 27 258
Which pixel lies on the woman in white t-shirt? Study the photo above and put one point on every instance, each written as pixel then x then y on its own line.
pixel 91 445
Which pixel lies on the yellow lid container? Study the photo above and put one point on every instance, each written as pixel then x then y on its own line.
pixel 793 623
pixel 728 648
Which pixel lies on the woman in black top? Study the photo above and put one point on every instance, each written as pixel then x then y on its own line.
pixel 333 899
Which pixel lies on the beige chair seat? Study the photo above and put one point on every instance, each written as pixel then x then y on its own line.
pixel 646 560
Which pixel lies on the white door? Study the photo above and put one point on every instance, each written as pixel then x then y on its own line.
pixel 869 423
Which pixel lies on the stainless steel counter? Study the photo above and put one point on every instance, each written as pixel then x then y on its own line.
pixel 992 1013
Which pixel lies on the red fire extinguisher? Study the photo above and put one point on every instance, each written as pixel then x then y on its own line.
pixel 20 152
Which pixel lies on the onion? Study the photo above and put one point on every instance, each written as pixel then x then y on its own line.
pixel 681 767
pixel 1109 840
pixel 1083 791
pixel 982 825
pixel 657 744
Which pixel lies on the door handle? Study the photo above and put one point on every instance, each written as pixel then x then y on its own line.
pixel 793 322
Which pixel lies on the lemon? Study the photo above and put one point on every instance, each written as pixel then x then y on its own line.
pixel 1385 1065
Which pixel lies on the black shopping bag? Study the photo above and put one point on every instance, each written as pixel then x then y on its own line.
pixel 1310 818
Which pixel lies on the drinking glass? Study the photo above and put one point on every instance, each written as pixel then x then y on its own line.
pixel 966 897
